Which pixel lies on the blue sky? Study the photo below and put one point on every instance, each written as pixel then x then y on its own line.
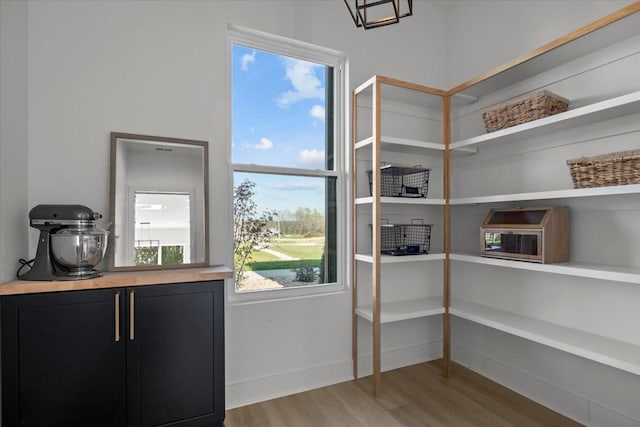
pixel 278 119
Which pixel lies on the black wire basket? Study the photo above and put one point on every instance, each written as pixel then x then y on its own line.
pixel 405 239
pixel 402 181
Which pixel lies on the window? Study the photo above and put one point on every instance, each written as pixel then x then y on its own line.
pixel 288 171
pixel 162 231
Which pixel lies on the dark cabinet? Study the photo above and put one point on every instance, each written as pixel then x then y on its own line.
pixel 61 364
pixel 139 356
pixel 175 355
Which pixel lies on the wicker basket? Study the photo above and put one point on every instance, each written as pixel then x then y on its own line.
pixel 530 107
pixel 620 168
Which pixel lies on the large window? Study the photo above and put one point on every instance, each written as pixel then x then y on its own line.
pixel 287 167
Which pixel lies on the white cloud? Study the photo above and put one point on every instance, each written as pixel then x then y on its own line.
pixel 302 75
pixel 247 58
pixel 264 144
pixel 310 159
pixel 317 112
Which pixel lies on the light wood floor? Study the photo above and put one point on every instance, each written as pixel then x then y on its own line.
pixel 411 396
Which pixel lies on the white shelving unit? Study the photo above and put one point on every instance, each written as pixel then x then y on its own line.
pixel 591 271
pixel 403 310
pixel 389 259
pixel 617 27
pixel 549 195
pixel 605 110
pixel 611 352
pixel 410 146
pixel 369 150
pixel 599 348
pixel 401 145
pixel 400 201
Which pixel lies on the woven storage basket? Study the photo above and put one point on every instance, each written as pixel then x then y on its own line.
pixel 530 107
pixel 620 168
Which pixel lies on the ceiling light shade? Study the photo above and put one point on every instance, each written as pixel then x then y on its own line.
pixel 378 13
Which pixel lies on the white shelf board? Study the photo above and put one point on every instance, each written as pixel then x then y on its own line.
pixel 591 271
pixel 390 259
pixel 400 201
pixel 546 195
pixel 599 111
pixel 611 352
pixel 390 143
pixel 410 146
pixel 403 310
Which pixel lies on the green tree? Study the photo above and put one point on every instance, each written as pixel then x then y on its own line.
pixel 172 254
pixel 250 229
pixel 146 255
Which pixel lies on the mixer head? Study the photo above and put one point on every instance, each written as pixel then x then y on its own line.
pixel 52 217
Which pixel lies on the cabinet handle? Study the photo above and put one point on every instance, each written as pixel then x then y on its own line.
pixel 132 313
pixel 117 305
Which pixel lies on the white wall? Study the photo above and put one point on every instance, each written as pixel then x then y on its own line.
pixel 13 136
pixel 484 34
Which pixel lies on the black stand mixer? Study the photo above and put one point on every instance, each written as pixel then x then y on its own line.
pixel 69 246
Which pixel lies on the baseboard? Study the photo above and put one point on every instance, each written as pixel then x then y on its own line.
pixel 599 416
pixel 399 357
pixel 564 402
pixel 295 381
pixel 285 383
pixel 539 391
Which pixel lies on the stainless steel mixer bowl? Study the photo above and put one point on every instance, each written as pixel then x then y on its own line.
pixel 79 249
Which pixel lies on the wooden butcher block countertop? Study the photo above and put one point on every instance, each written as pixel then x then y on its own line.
pixel 119 279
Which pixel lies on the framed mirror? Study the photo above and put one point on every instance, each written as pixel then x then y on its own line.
pixel 159 203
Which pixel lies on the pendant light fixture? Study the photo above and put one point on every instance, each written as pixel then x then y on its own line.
pixel 378 13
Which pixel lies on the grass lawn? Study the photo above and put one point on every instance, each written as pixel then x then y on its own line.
pixel 308 250
pixel 261 256
pixel 288 239
pixel 281 265
pixel 298 251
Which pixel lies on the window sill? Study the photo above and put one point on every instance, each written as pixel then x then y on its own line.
pixel 277 295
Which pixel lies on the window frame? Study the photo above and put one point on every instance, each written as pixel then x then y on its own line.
pixel 250 38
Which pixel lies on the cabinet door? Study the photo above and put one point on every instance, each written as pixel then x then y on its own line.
pixel 175 355
pixel 62 362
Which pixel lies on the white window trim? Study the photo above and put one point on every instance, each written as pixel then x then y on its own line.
pixel 339 62
pixel 278 170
